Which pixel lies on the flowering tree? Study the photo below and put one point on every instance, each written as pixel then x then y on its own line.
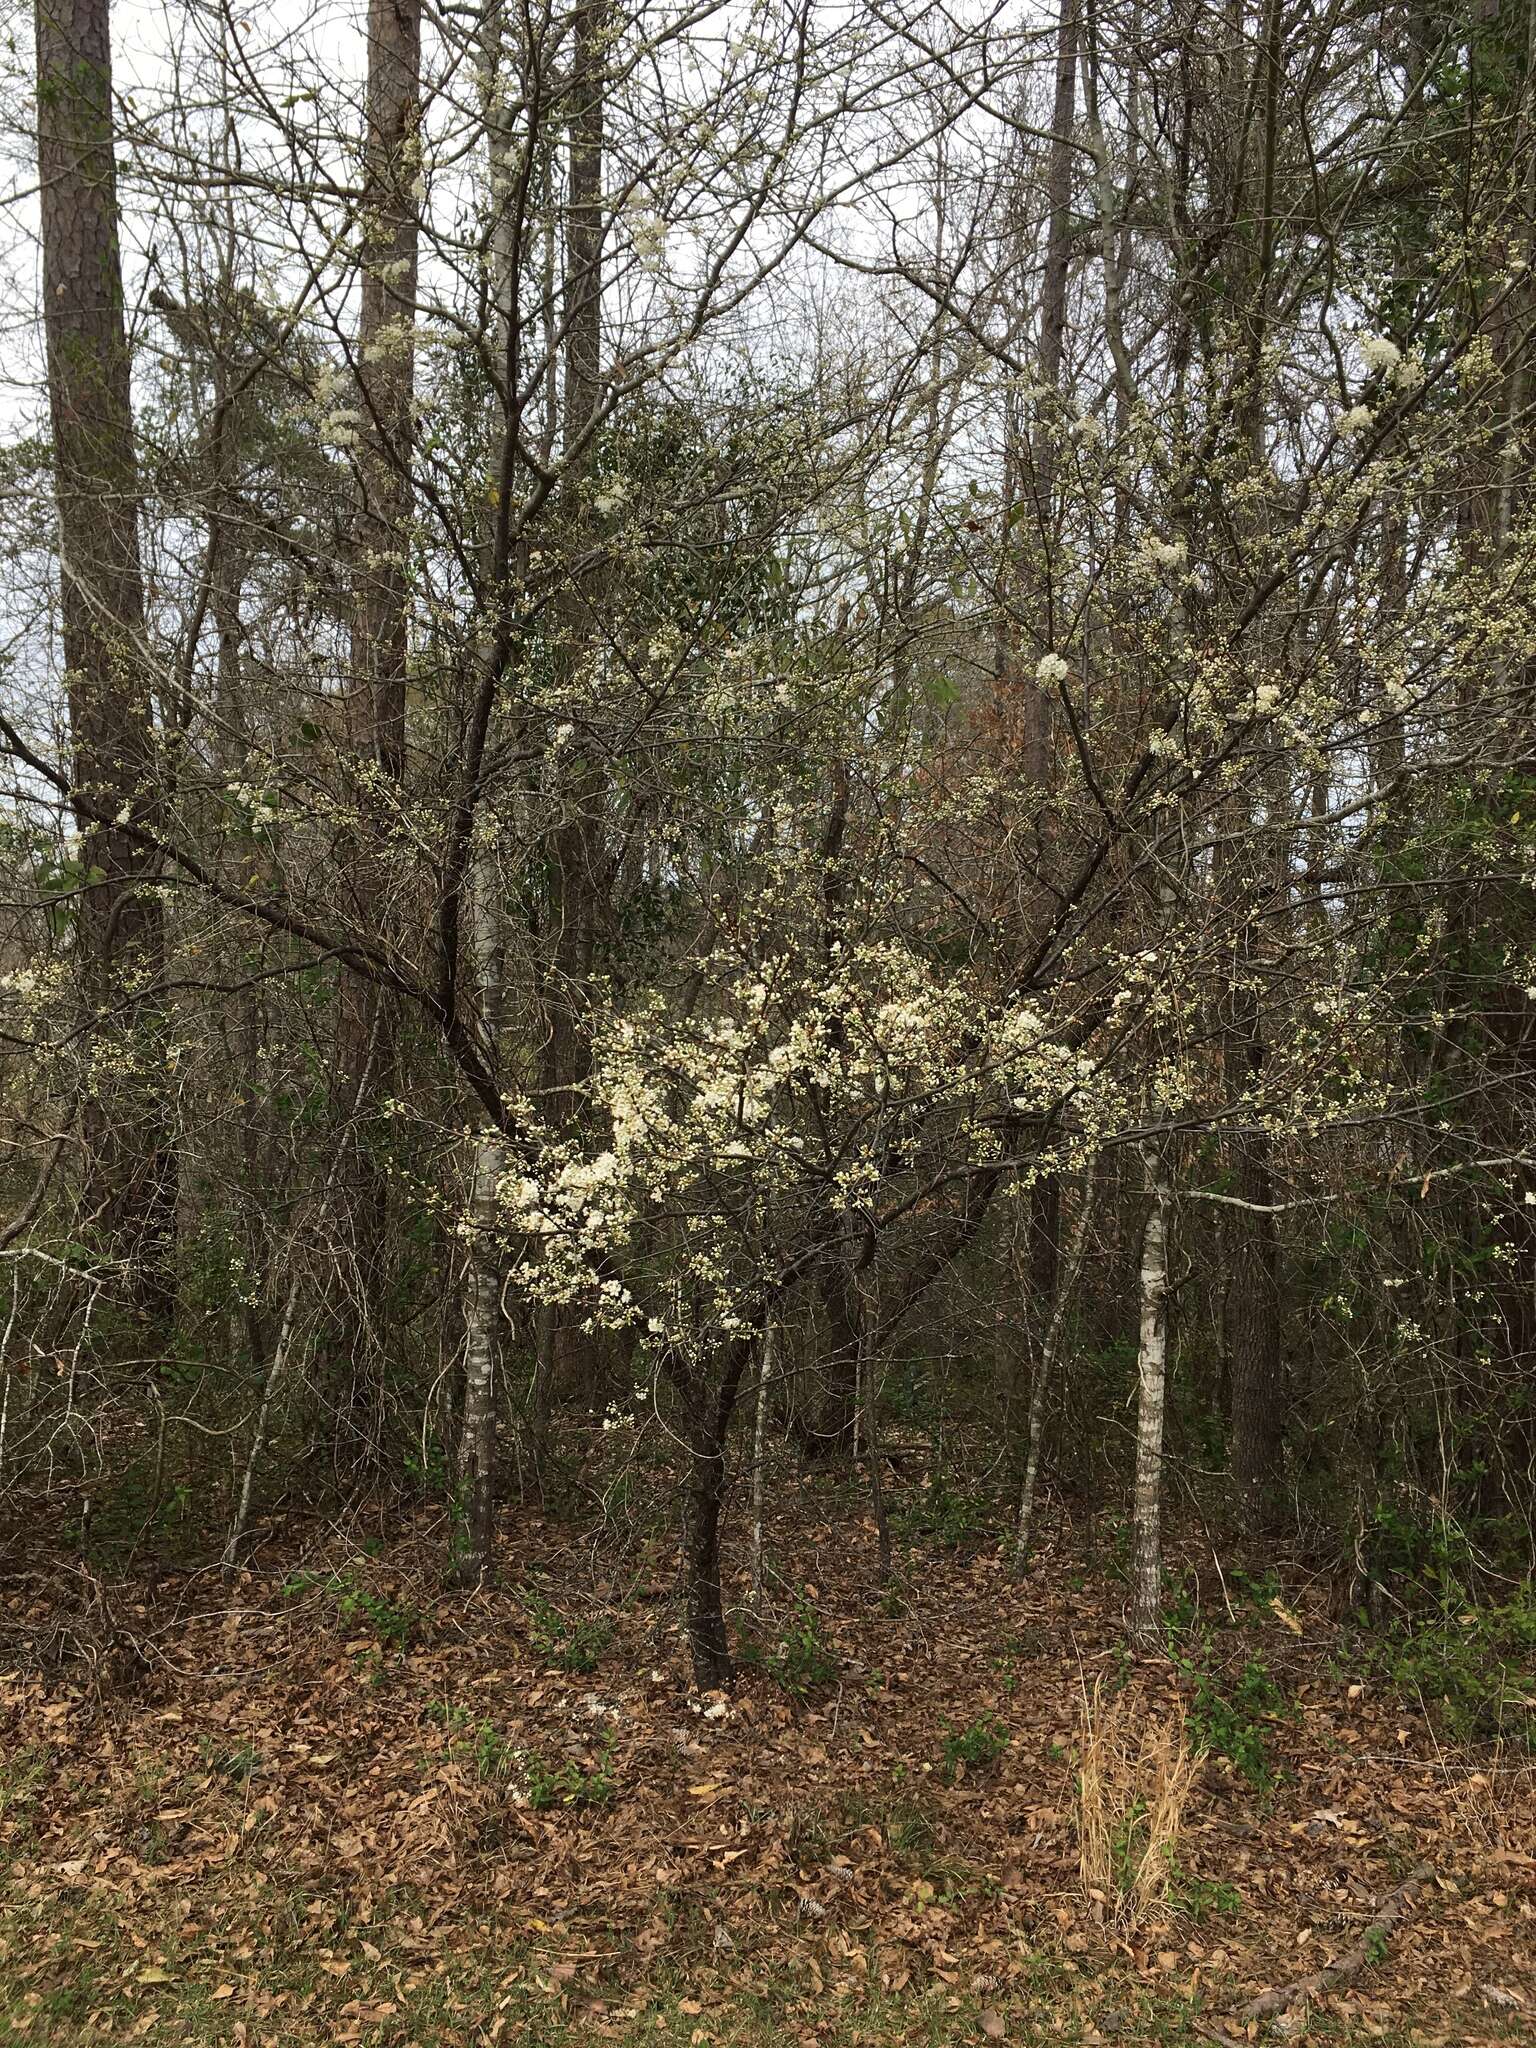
pixel 706 670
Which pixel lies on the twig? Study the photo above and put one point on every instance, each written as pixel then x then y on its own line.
pixel 1367 1950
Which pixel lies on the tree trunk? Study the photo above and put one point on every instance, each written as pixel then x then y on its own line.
pixel 1252 1303
pixel 476 1464
pixel 1152 1376
pixel 708 1644
pixel 767 1349
pixel 583 300
pixel 1039 722
pixel 1254 1354
pixel 1044 1370
pixel 386 378
pixel 130 1192
pixel 706 1425
pixel 488 1163
pixel 380 633
pixel 869 1429
pixel 276 1372
pixel 477 1443
pixel 569 1358
pixel 838 1435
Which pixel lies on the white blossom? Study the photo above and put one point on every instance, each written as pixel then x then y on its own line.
pixel 1378 353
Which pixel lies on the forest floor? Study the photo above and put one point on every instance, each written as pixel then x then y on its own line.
pixel 338 1803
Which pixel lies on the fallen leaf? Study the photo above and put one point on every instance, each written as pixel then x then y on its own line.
pixel 1281 1612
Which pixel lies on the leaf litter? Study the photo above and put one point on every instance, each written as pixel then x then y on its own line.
pixel 276 1828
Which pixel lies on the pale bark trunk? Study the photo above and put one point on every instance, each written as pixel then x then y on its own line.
pixel 477 1445
pixel 766 1355
pixel 1152 1376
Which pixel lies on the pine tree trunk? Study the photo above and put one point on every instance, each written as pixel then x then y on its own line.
pixel 476 1463
pixel 130 1190
pixel 570 1358
pixel 380 639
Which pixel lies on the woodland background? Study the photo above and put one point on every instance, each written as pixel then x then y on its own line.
pixel 769 770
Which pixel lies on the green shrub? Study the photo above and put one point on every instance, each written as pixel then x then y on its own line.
pixel 803 1659
pixel 489 1751
pixel 1231 1717
pixel 567 1784
pixel 982 1743
pixel 1472 1669
pixel 393 1622
pixel 944 1515
pixel 240 1763
pixel 1199 1898
pixel 568 1643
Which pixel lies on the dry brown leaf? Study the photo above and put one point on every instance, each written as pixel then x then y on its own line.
pixel 1281 1612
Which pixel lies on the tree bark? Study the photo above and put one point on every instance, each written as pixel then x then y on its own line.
pixel 706 1425
pixel 476 1465
pixel 380 632
pixel 869 1429
pixel 1252 1315
pixel 386 379
pixel 1039 713
pixel 477 1443
pixel 1152 1379
pixel 130 1191
pixel 1044 1372
pixel 838 1435
pixel 767 1348
pixel 569 1357
pixel 488 1163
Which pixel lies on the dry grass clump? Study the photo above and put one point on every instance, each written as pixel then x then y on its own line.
pixel 1134 1778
